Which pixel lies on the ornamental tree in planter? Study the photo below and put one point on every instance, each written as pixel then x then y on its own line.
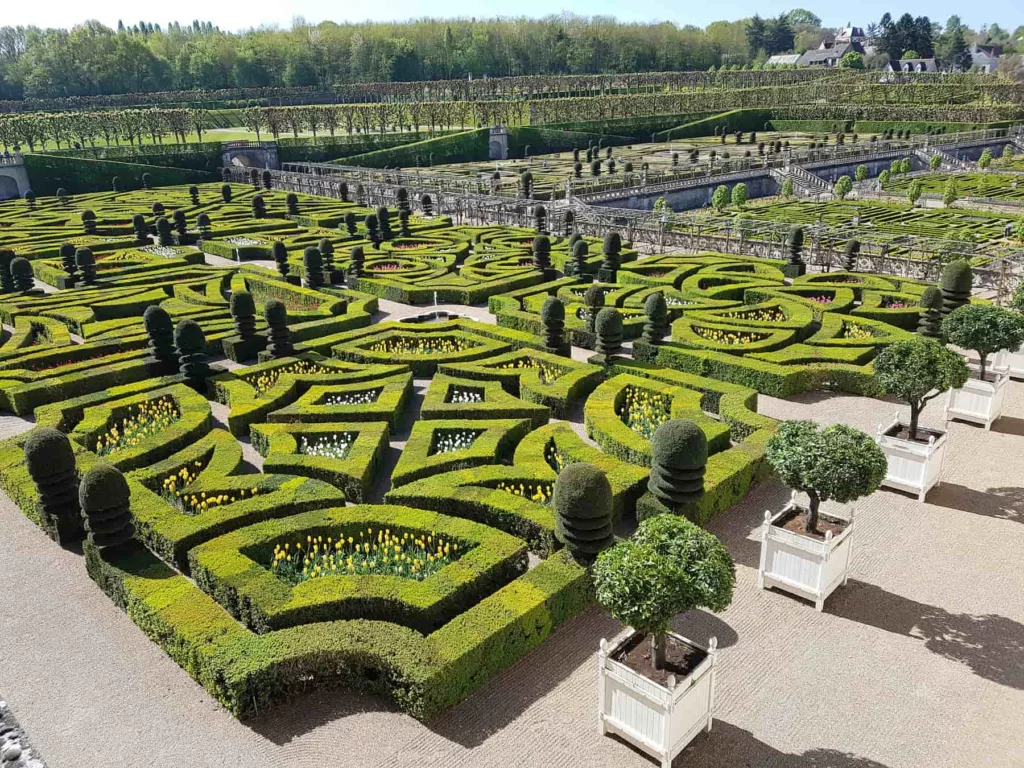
pixel 656 688
pixel 1013 359
pixel 838 463
pixel 986 329
pixel 916 371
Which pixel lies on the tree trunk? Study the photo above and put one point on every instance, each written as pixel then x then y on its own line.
pixel 915 414
pixel 658 647
pixel 812 512
pixel 982 361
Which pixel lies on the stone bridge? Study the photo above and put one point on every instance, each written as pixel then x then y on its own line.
pixel 250 154
pixel 13 179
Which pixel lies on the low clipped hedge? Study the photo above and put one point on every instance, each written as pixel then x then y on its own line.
pixel 496 441
pixel 392 394
pixel 354 475
pixel 78 174
pixel 496 404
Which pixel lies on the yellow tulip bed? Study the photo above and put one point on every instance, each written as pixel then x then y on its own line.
pixel 644 411
pixel 144 420
pixel 266 380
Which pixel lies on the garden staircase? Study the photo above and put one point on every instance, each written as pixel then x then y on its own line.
pixel 805 182
pixel 949 162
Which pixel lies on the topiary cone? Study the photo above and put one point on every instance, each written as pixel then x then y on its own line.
pixel 67 258
pixel 955 283
pixel 930 322
pixel 190 342
pixel 279 253
pixel 313 264
pixel 6 278
pixel 851 252
pixel 542 252
pixel 552 314
pixel 608 327
pixel 580 254
pixel 160 329
pixel 243 311
pixel 86 262
pixel 656 325
pixel 104 498
pixel 582 500
pixel 51 465
pixel 280 338
pixel 679 455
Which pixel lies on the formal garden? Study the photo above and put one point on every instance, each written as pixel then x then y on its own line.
pixel 287 486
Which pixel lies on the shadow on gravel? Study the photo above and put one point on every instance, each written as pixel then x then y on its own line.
pixel 729 745
pixel 1001 503
pixel 739 528
pixel 1009 425
pixel 992 646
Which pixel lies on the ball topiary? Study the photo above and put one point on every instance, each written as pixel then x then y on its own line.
pixel 158 208
pixel 279 253
pixel 62 195
pixel 540 218
pixel 656 325
pixel 384 223
pixel 608 327
pixel 610 249
pixel 280 338
pixel 542 252
pixel 403 224
pixel 21 274
pixel 955 283
pixel 427 205
pixel 267 179
pixel 160 330
pixel 104 499
pixel 225 192
pixel 930 322
pixel 351 223
pixel 370 222
pixel 552 314
pixel 679 455
pixel 291 204
pixel 86 263
pixel 190 342
pixel 582 500
pixel 326 251
pixel 51 465
pixel 89 222
pixel 851 252
pixel 67 258
pixel 259 207
pixel 203 224
pixel 243 310
pixel 526 184
pixel 313 264
pixel 6 278
pixel 577 266
pixel 402 195
pixel 141 229
pixel 193 194
pixel 180 224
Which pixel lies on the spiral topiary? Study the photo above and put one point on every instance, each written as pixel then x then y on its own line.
pixel 795 246
pixel 21 274
pixel 141 229
pixel 276 315
pixel 427 205
pixel 540 218
pixel 86 263
pixel 608 327
pixel 6 278
pixel 291 204
pixel 593 299
pixel 569 220
pixel 552 314
pixel 67 258
pixel 193 194
pixel 403 224
pixel 164 235
pixel 190 342
pixel 279 253
pixel 851 252
pixel 577 266
pixel 370 222
pixel 384 223
pixel 259 207
pixel 955 282
pixel 267 179
pixel 327 252
pixel 254 179
pixel 582 500
pixel 203 224
pixel 930 322
pixel 225 192
pixel 314 267
pixel 656 325
pixel 160 330
pixel 403 199
pixel 89 222
pixel 51 465
pixel 357 259
pixel 180 224
pixel 679 455
pixel 526 184
pixel 542 252
pixel 243 311
pixel 104 499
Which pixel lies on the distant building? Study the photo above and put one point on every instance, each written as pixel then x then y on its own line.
pixel 985 57
pixel 783 59
pixel 850 34
pixel 912 65
pixel 829 53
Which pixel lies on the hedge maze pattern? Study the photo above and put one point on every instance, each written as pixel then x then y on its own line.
pixel 156 365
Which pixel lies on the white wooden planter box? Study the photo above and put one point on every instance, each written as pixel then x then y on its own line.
pixel 660 720
pixel 1012 361
pixel 979 401
pixel 913 467
pixel 801 565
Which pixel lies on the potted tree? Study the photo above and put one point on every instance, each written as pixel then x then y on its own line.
pixel 803 550
pixel 1013 359
pixel 916 370
pixel 656 689
pixel 985 329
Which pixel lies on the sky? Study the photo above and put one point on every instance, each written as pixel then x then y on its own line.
pixel 239 14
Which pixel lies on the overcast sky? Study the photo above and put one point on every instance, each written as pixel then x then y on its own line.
pixel 237 14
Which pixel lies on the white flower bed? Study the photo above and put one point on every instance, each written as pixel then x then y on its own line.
pixel 160 250
pixel 460 396
pixel 448 441
pixel 353 398
pixel 239 240
pixel 335 446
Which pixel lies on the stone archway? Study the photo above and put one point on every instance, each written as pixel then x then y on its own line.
pixel 243 160
pixel 8 188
